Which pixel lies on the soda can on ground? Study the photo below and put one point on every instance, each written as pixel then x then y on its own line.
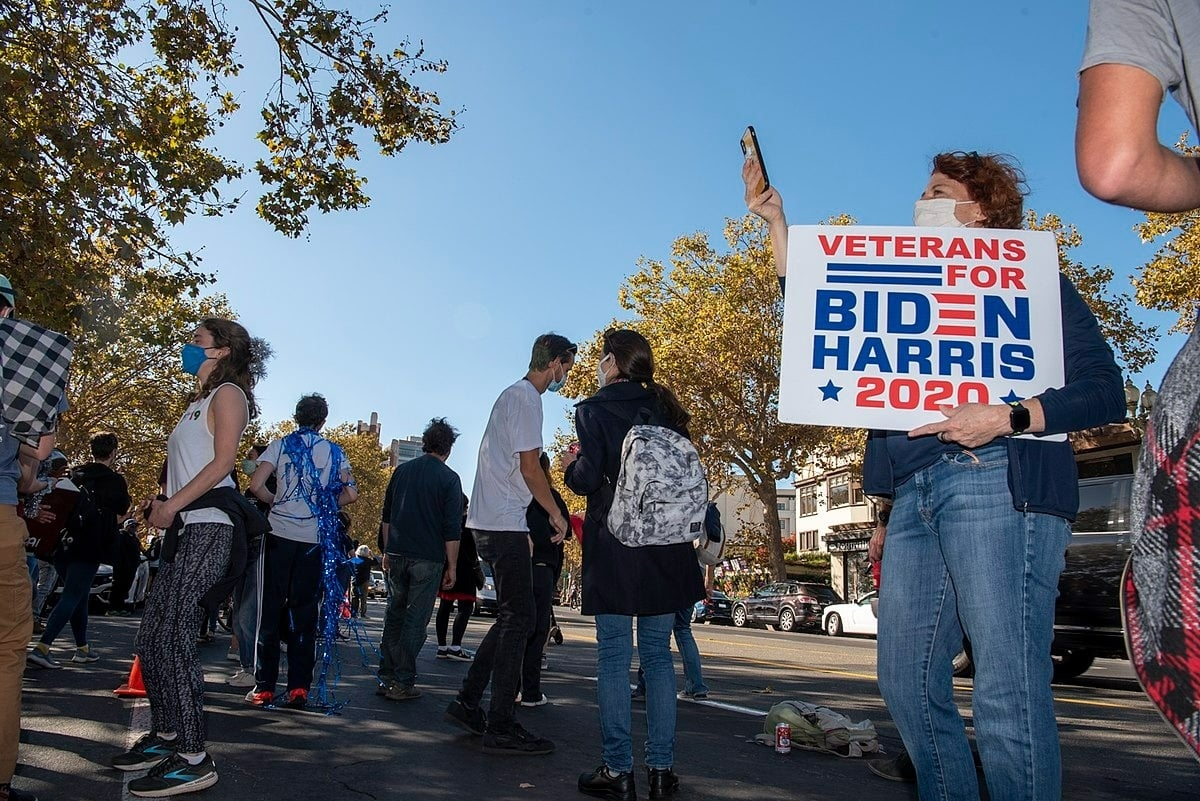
pixel 783 738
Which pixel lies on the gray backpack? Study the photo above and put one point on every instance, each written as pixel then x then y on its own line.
pixel 661 494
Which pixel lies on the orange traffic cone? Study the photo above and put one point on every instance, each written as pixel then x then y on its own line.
pixel 133 687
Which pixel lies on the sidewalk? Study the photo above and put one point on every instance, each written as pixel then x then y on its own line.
pixel 380 749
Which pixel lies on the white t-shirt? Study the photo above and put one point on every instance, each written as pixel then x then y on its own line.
pixel 190 448
pixel 291 517
pixel 500 496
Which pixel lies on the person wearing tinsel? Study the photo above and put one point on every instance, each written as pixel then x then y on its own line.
pixel 314 481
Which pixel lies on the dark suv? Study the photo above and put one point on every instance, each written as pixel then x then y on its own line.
pixel 785 604
pixel 1087 618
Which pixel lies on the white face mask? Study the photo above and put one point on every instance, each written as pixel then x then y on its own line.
pixel 601 377
pixel 937 213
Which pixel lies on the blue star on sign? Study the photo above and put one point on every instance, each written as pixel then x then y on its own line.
pixel 1011 397
pixel 829 391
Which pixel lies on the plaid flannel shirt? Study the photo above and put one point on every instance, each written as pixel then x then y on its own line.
pixel 33 378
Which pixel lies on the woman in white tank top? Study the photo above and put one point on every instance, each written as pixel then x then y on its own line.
pixel 201 454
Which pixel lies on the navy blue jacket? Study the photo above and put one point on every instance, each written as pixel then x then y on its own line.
pixel 617 579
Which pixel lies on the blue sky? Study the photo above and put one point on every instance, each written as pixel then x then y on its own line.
pixel 596 133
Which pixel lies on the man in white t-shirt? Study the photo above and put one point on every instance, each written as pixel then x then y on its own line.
pixel 305 465
pixel 508 476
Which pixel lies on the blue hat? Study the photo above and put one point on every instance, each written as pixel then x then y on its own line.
pixel 6 291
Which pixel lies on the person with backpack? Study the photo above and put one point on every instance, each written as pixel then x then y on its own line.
pixel 547 564
pixel 651 582
pixel 91 536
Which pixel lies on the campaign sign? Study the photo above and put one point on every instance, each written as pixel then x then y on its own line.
pixel 882 325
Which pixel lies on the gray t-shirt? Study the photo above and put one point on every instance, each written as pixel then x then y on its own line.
pixel 1161 37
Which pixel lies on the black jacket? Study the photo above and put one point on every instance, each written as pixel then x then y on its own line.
pixel 617 579
pixel 541 532
pixel 110 494
pixel 464 568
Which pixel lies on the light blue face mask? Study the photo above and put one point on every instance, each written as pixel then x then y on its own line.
pixel 193 357
pixel 557 383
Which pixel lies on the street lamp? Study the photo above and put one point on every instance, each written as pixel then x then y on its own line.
pixel 1132 396
pixel 1146 399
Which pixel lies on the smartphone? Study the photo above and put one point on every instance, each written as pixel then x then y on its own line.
pixel 750 149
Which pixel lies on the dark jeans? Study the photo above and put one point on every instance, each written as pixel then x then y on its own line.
pixel 358 600
pixel 412 589
pixel 122 582
pixel 291 586
pixel 73 605
pixel 465 609
pixel 543 595
pixel 499 657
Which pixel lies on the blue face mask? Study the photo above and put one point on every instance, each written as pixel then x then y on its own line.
pixel 557 383
pixel 193 357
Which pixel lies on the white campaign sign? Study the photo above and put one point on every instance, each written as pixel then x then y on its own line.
pixel 882 326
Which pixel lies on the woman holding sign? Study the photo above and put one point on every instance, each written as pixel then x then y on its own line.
pixel 979 525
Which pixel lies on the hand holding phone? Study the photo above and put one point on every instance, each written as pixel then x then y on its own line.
pixel 752 153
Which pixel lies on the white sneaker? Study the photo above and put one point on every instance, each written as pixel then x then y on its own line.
pixel 241 679
pixel 539 702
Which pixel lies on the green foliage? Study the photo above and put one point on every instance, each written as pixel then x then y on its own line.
pixel 108 110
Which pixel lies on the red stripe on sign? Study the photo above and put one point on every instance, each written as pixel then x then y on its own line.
pixel 942 297
pixel 956 314
pixel 955 330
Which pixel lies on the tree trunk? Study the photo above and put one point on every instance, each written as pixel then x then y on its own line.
pixel 769 499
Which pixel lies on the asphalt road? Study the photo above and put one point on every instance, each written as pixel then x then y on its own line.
pixel 1114 745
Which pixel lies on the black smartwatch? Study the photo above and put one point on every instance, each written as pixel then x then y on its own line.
pixel 1018 418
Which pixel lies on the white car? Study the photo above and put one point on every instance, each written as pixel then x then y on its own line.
pixel 855 618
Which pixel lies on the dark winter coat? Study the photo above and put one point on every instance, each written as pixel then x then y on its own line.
pixel 110 494
pixel 617 579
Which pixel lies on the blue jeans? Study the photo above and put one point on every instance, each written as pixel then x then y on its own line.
pixel 959 558
pixel 73 605
pixel 412 588
pixel 689 654
pixel 614 654
pixel 245 613
pixel 499 657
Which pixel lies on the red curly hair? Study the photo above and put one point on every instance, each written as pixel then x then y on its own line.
pixel 994 181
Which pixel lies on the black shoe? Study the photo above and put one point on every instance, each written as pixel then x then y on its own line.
pixel 473 720
pixel 19 795
pixel 897 769
pixel 663 782
pixel 603 783
pixel 516 741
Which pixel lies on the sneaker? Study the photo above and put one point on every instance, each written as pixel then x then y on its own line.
pixel 260 698
pixel 19 795
pixel 545 663
pixel 175 776
pixel 148 751
pixel 399 693
pixel 381 688
pixel 443 653
pixel 233 656
pixel 541 701
pixel 85 654
pixel 897 769
pixel 689 696
pixel 517 741
pixel 241 679
pixel 297 698
pixel 41 657
pixel 473 720
pixel 461 654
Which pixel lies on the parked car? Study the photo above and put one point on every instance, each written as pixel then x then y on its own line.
pixel 787 605
pixel 856 618
pixel 377 587
pixel 485 599
pixel 715 609
pixel 99 594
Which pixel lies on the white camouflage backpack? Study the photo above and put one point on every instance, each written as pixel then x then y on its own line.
pixel 661 494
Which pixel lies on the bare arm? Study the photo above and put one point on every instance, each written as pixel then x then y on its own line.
pixel 769 206
pixel 535 479
pixel 227 417
pixel 451 564
pixel 258 482
pixel 349 493
pixel 1117 152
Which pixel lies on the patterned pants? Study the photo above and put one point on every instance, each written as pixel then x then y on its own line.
pixel 166 641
